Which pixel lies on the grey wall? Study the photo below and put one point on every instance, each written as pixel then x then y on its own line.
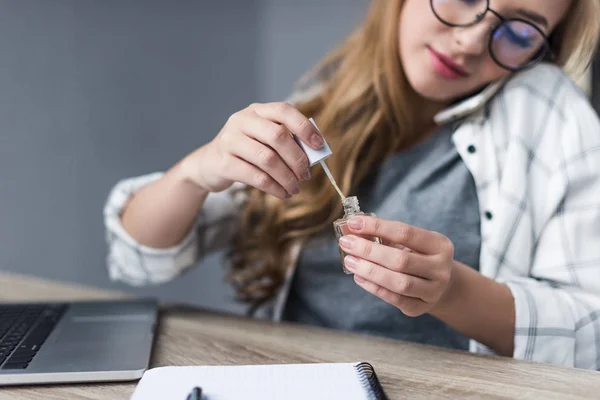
pixel 92 91
pixel 296 34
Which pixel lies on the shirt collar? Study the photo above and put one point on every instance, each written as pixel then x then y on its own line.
pixel 469 106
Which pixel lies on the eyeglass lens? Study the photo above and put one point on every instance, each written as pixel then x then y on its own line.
pixel 514 43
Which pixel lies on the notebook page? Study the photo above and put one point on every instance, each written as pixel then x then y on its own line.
pixel 329 381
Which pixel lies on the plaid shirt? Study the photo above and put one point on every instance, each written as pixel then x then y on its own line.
pixel 534 153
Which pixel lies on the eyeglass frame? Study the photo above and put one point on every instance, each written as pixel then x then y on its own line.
pixel 545 50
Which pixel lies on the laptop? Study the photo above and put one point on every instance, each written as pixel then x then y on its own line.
pixel 77 341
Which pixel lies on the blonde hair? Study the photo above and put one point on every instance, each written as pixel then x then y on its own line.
pixel 575 39
pixel 365 111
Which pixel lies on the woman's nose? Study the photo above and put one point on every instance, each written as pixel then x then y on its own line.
pixel 472 40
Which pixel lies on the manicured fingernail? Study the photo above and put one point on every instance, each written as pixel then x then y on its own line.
pixel 288 196
pixel 350 262
pixel 316 140
pixel 296 189
pixel 355 223
pixel 347 242
pixel 306 175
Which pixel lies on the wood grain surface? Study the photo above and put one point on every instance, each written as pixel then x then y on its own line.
pixel 189 336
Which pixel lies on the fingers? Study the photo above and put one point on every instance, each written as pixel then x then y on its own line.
pixel 292 119
pixel 402 284
pixel 394 259
pixel 421 240
pixel 267 160
pixel 408 305
pixel 238 170
pixel 279 138
pixel 262 137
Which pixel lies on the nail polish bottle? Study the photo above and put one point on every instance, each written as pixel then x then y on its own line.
pixel 351 209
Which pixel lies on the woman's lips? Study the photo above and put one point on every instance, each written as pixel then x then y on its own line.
pixel 445 67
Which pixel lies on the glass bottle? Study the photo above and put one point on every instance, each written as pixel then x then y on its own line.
pixel 351 209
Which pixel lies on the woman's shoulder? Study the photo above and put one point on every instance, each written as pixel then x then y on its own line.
pixel 544 89
pixel 546 110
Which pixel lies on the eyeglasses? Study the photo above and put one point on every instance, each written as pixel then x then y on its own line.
pixel 514 43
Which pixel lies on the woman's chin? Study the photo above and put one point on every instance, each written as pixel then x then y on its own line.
pixel 428 88
pixel 433 93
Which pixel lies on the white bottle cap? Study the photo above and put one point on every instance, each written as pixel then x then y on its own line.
pixel 314 156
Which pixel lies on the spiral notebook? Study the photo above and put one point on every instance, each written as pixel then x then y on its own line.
pixel 331 381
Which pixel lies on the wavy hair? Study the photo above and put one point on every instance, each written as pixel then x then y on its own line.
pixel 365 111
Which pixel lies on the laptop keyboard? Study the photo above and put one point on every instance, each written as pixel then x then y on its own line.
pixel 23 330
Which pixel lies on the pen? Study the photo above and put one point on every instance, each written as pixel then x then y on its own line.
pixel 195 394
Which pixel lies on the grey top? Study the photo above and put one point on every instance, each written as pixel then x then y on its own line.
pixel 428 186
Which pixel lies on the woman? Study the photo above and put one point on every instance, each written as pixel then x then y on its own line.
pixel 453 122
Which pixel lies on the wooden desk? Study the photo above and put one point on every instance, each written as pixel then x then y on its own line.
pixel 192 337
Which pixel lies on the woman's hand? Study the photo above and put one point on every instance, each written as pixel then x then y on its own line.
pixel 411 269
pixel 256 147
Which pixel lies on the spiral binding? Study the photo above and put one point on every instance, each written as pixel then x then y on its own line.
pixel 368 379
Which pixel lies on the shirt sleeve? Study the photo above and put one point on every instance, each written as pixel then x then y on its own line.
pixel 558 306
pixel 138 265
pixel 556 323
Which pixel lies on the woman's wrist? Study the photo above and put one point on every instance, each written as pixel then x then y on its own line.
pixel 448 300
pixel 182 175
pixel 479 308
pixel 187 174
